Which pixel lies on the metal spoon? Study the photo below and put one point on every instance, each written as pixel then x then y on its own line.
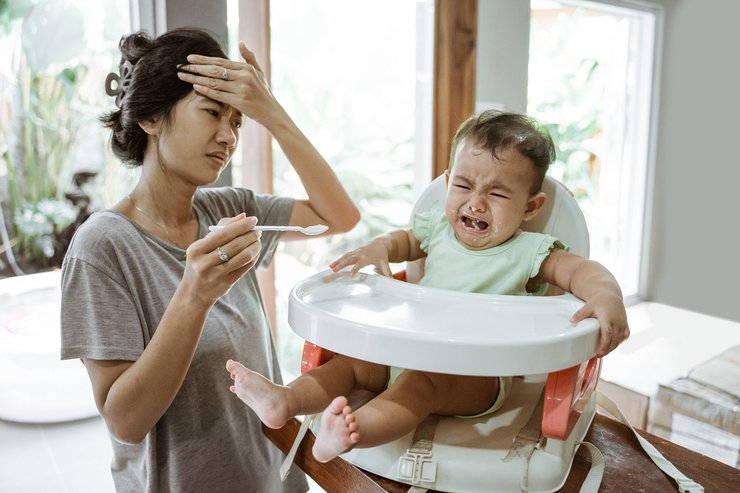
pixel 316 229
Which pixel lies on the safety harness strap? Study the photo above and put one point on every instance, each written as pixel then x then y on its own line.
pixel 596 473
pixel 285 467
pixel 685 485
pixel 526 441
pixel 530 438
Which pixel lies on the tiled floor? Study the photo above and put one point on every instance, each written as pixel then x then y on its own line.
pixel 71 457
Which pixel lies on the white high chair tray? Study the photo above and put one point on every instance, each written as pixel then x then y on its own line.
pixel 375 318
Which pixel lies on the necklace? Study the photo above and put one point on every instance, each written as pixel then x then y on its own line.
pixel 160 225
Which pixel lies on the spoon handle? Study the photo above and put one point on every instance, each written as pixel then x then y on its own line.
pixel 264 228
pixel 278 228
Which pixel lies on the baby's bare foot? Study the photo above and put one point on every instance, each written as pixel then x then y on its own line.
pixel 271 402
pixel 339 431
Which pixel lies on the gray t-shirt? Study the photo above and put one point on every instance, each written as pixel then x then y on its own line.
pixel 117 280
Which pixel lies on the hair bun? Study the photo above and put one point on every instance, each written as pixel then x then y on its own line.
pixel 134 46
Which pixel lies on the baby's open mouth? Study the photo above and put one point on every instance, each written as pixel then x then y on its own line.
pixel 472 223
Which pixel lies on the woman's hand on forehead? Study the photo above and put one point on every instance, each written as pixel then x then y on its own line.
pixel 240 85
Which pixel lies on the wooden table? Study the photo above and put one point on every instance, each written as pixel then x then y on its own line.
pixel 628 468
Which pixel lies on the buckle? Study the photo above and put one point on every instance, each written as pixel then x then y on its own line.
pixel 416 467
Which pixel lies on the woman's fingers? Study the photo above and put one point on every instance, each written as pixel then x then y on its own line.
pixel 233 245
pixel 228 220
pixel 212 87
pixel 208 69
pixel 241 252
pixel 238 252
pixel 230 228
pixel 219 78
pixel 196 63
pixel 249 56
pixel 198 80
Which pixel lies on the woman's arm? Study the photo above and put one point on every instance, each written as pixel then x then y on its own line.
pixel 246 90
pixel 133 396
pixel 595 285
pixel 328 202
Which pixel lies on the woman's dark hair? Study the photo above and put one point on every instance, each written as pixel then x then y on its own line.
pixel 149 86
pixel 496 130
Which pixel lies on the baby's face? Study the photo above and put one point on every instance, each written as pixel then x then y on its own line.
pixel 488 198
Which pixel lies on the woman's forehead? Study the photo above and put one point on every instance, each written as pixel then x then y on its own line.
pixel 196 97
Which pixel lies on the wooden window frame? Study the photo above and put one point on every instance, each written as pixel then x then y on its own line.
pixel 455 41
pixel 455 38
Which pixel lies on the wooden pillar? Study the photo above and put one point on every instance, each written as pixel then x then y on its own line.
pixel 254 30
pixel 455 33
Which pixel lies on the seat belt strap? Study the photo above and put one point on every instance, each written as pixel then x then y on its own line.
pixel 527 441
pixel 592 482
pixel 305 425
pixel 685 485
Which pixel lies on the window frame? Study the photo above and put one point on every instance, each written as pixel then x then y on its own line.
pixel 645 273
pixel 453 100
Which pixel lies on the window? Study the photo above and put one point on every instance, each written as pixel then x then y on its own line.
pixel 361 91
pixel 591 82
pixel 358 83
pixel 56 55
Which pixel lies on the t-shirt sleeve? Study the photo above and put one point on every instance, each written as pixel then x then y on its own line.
pixel 422 225
pixel 543 250
pixel 271 210
pixel 99 319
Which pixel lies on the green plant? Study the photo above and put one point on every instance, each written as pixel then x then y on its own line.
pixel 42 121
pixel 566 94
pixel 39 224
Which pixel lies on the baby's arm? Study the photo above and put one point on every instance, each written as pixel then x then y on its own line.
pixel 397 246
pixel 594 284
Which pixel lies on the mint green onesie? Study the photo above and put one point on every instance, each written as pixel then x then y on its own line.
pixel 503 269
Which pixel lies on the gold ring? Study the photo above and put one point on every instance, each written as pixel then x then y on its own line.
pixel 223 256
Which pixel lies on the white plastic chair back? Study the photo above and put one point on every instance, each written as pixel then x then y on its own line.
pixel 560 217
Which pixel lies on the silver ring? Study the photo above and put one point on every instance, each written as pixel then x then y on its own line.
pixel 223 256
pixel 224 74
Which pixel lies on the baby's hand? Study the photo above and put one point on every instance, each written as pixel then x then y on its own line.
pixel 374 253
pixel 609 310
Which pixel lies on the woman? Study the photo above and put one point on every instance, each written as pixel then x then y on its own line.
pixel 152 302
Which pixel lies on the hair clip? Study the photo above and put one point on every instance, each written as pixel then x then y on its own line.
pixel 122 82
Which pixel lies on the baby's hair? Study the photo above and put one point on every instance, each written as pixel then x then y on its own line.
pixel 151 88
pixel 496 130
